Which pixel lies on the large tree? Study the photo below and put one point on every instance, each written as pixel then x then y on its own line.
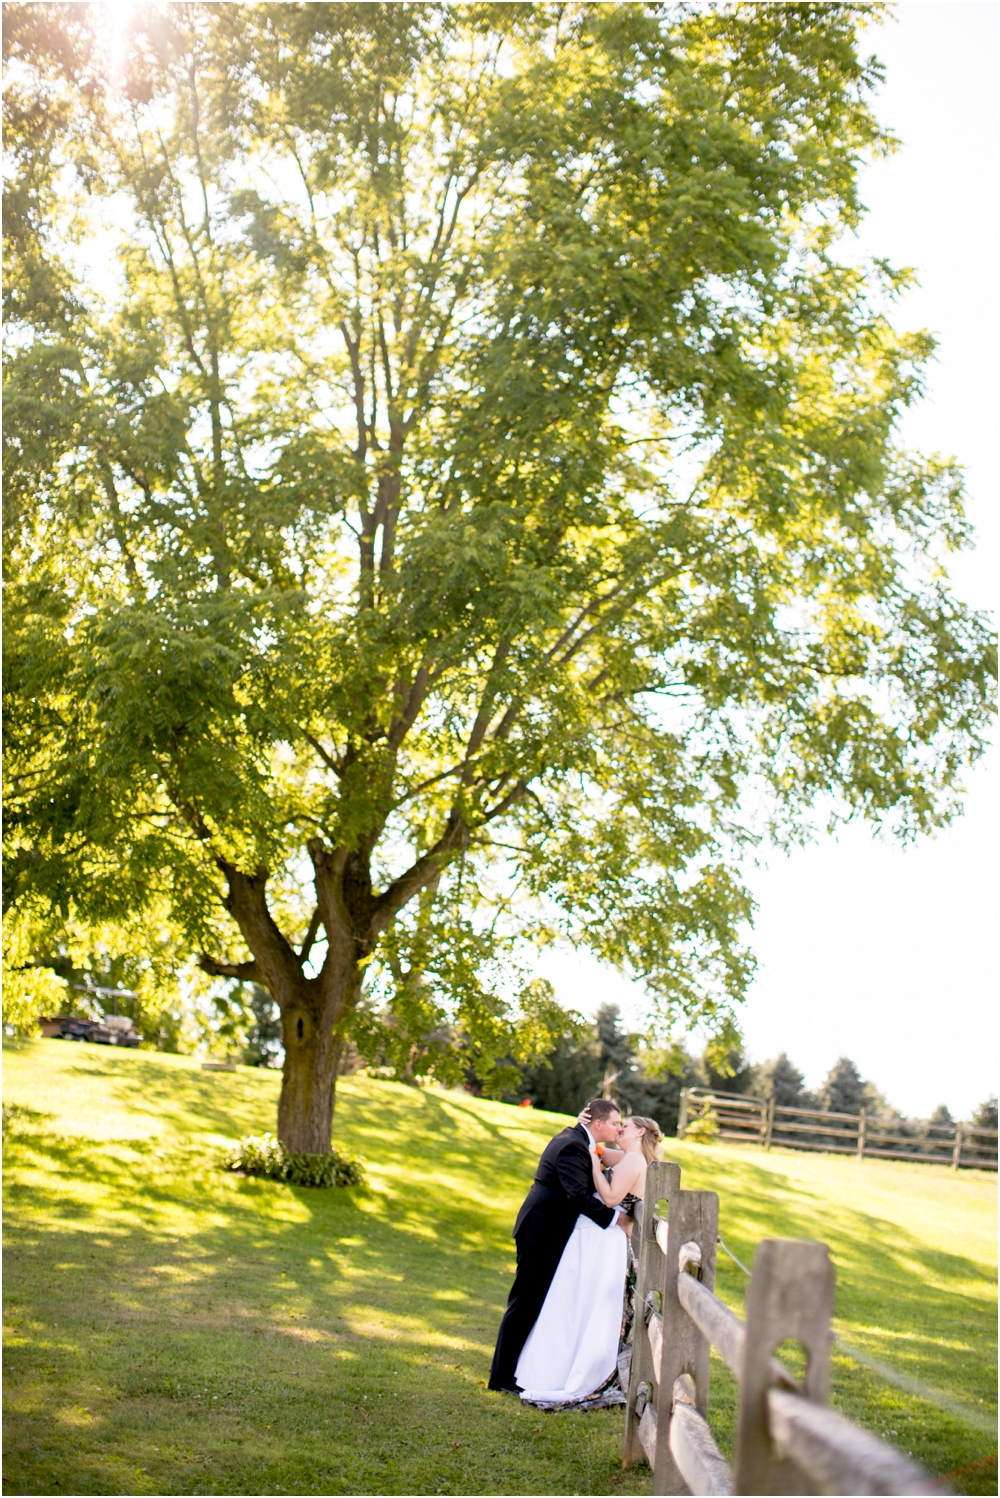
pixel 453 495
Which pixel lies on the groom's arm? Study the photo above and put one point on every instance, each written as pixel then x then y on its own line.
pixel 576 1178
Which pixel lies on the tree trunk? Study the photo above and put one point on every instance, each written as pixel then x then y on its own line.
pixel 308 1083
pixel 312 1029
pixel 313 1010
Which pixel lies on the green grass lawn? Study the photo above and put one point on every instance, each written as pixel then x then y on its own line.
pixel 174 1329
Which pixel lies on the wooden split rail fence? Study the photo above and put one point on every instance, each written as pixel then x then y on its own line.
pixel 759 1121
pixel 787 1440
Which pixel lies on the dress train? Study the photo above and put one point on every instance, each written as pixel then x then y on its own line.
pixel 573 1346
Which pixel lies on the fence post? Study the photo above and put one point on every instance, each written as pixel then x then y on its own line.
pixel 694 1217
pixel 663 1180
pixel 682 1117
pixel 861 1134
pixel 790 1295
pixel 769 1128
pixel 956 1154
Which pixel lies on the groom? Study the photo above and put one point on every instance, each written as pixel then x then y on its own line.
pixel 563 1188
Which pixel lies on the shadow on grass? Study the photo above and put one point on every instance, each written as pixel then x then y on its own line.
pixel 245 1335
pixel 423 1252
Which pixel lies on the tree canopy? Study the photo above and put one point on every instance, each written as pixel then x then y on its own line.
pixel 454 500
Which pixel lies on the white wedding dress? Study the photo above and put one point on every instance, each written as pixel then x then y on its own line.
pixel 573 1346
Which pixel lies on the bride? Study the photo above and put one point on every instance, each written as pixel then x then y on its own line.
pixel 573 1346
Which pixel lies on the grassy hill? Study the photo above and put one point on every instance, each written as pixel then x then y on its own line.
pixel 173 1329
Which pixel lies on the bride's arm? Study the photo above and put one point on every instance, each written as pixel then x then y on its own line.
pixel 600 1184
pixel 623 1178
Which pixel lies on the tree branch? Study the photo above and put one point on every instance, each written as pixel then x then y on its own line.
pixel 424 784
pixel 401 726
pixel 392 899
pixel 485 712
pixel 567 634
pixel 248 971
pixel 310 935
pixel 275 960
pixel 328 760
pixel 358 380
pixel 107 478
pixel 513 795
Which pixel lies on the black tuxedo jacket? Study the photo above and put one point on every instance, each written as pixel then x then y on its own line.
pixel 563 1190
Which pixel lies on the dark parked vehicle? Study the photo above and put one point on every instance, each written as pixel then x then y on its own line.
pixel 114 1029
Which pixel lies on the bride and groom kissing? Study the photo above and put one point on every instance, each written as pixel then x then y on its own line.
pixel 558 1340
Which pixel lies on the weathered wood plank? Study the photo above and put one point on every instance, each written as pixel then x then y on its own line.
pixel 714 1320
pixel 813 1128
pixel 699 1460
pixel 723 1328
pixel 727 1099
pixel 874 1153
pixel 693 1219
pixel 836 1455
pixel 688 1253
pixel 814 1112
pixel 790 1295
pixel 647 1434
pixel 662 1233
pixel 662 1183
pixel 654 1331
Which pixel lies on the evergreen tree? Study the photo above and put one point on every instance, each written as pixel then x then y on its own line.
pixel 843 1091
pixel 730 1072
pixel 985 1117
pixel 617 1049
pixel 781 1080
pixel 658 1097
pixel 564 1080
pixel 576 1070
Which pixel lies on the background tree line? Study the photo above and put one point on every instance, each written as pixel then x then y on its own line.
pixel 605 1056
pixel 243 1022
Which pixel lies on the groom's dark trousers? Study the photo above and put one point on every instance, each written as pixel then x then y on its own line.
pixel 562 1190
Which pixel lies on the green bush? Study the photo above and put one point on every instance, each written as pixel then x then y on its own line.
pixel 263 1155
pixel 704 1127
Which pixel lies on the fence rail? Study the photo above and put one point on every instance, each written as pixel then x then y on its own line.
pixel 787 1440
pixel 758 1120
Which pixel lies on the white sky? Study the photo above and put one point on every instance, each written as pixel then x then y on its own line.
pixel 867 949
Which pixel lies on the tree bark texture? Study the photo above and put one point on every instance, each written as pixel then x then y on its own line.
pixel 308 1083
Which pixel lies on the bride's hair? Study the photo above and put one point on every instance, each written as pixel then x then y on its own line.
pixel 652 1139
